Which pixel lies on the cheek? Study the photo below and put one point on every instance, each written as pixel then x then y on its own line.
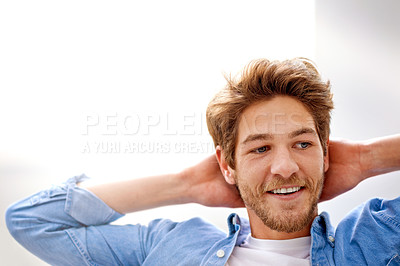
pixel 253 174
pixel 312 166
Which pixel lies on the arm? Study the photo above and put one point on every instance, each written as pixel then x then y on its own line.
pixel 381 155
pixel 202 183
pixel 69 225
pixel 352 162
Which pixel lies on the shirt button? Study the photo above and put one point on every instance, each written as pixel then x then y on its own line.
pixel 220 253
pixel 331 238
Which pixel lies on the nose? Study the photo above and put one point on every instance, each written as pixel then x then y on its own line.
pixel 283 164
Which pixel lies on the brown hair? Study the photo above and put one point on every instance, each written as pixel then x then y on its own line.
pixel 263 79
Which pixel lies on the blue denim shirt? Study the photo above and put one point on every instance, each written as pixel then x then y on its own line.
pixel 67 225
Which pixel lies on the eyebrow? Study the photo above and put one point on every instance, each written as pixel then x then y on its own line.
pixel 269 136
pixel 302 131
pixel 254 137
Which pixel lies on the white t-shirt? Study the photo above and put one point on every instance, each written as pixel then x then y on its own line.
pixel 271 252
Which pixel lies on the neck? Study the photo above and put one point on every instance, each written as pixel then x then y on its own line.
pixel 261 231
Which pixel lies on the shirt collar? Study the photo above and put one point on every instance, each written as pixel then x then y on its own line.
pixel 238 226
pixel 321 225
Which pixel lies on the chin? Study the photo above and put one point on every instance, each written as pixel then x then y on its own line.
pixel 288 221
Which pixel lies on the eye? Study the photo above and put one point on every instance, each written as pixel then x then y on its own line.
pixel 303 145
pixel 260 150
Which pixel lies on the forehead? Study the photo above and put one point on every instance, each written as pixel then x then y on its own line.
pixel 277 116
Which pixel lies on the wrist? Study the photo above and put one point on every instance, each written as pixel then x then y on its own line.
pixel 182 183
pixel 366 159
pixel 191 184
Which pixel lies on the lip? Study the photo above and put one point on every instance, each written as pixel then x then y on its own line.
pixel 288 197
pixel 288 186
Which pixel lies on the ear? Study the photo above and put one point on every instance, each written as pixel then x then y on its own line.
pixel 227 172
pixel 326 157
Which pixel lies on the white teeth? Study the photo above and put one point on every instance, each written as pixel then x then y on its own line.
pixel 286 190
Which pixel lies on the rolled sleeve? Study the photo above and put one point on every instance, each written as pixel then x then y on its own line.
pixel 85 207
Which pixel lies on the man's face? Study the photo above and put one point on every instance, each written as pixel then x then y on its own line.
pixel 279 163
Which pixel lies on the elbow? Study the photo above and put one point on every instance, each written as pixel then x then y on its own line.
pixel 15 221
pixel 23 223
pixel 30 228
pixel 25 227
pixel 10 220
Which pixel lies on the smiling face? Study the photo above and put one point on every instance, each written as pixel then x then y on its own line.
pixel 279 166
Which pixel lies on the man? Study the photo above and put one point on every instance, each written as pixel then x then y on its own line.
pixel 271 131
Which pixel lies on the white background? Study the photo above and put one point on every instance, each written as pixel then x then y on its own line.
pixel 155 65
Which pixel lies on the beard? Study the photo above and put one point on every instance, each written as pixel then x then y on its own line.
pixel 290 217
